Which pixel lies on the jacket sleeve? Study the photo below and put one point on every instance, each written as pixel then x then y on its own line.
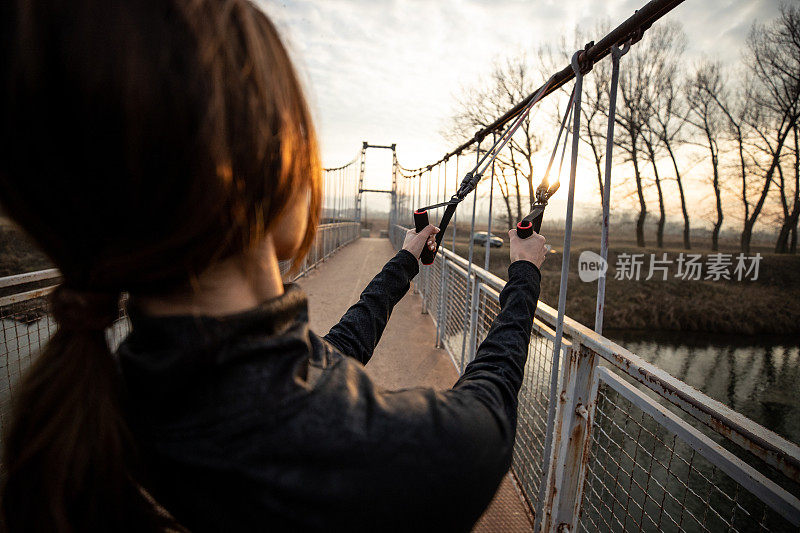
pixel 361 327
pixel 495 375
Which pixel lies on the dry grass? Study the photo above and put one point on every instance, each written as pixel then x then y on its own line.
pixel 770 305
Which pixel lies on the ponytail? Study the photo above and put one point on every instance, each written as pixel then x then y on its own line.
pixel 67 452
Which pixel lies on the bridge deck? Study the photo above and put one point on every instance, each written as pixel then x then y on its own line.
pixel 406 356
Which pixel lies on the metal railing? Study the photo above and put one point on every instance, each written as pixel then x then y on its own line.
pixel 329 239
pixel 634 448
pixel 26 324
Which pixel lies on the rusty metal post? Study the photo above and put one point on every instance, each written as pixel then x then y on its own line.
pixel 571 439
pixel 572 431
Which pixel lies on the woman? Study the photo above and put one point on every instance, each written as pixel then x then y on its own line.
pixel 165 149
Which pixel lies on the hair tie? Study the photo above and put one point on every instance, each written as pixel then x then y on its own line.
pixel 80 310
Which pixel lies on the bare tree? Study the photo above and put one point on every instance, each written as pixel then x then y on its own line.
pixel 706 116
pixel 788 229
pixel 509 83
pixel 774 59
pixel 515 80
pixel 647 63
pixel 796 210
pixel 793 242
pixel 668 123
pixel 663 125
pixel 631 115
pixel 593 109
pixel 652 151
pixel 737 107
pixel 510 164
pixel 501 176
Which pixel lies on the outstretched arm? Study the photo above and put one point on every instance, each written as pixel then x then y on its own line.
pixel 361 327
pixel 495 375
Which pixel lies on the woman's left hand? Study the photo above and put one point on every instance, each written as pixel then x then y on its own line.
pixel 415 242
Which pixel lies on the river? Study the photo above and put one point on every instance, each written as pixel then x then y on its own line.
pixel 758 376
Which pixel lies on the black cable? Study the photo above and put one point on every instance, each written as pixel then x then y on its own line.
pixel 473 177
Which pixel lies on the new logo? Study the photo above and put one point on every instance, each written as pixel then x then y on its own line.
pixel 591 266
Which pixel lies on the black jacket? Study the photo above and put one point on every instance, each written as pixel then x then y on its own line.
pixel 253 422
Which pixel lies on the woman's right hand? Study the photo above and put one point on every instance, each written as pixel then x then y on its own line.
pixel 415 242
pixel 531 249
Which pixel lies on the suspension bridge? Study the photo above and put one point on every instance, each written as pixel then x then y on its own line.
pixel 605 440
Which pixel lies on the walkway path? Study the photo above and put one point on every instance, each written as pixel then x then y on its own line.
pixel 406 356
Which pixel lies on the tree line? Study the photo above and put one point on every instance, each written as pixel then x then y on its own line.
pixel 731 129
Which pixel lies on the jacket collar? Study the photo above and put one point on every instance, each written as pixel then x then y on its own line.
pixel 271 317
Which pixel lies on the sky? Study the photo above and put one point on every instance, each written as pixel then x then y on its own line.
pixel 388 71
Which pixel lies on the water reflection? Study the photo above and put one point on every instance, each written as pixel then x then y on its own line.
pixel 757 376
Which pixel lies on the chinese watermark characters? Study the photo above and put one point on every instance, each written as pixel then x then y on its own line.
pixel 691 267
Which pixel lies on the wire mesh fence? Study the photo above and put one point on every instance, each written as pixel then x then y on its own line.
pixel 641 476
pixel 454 314
pixel 641 464
pixel 22 335
pixel 529 461
pixel 329 238
pixel 649 476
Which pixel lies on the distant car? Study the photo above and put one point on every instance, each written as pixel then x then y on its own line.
pixel 480 237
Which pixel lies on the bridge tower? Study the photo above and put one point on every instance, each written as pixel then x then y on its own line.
pixel 392 191
pixel 394 208
pixel 361 180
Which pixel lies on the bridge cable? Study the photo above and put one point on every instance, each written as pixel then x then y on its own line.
pixel 616 54
pixel 473 177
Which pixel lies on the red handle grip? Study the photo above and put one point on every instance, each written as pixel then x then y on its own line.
pixel 524 229
pixel 421 221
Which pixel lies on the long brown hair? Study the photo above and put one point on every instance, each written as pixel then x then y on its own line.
pixel 139 143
